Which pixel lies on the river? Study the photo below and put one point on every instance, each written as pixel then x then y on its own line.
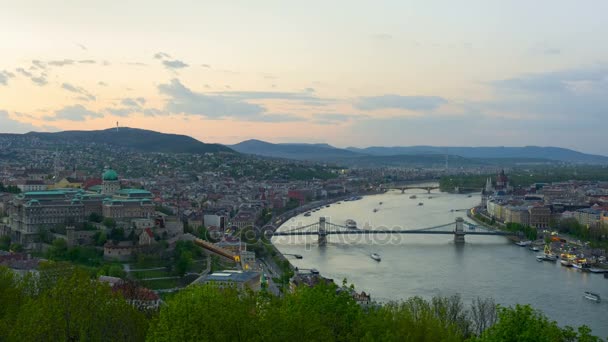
pixel 430 265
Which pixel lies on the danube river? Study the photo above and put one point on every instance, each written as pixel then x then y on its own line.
pixel 430 265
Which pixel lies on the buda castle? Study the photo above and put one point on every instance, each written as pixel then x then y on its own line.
pixel 33 211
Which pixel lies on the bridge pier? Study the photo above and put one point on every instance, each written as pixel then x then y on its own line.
pixel 459 231
pixel 322 232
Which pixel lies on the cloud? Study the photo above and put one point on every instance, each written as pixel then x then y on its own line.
pixel 39 80
pixel 569 94
pixel 153 112
pixel 335 118
pixel 4 76
pixel 9 125
pixel 122 111
pixel 175 64
pixel 74 113
pixel 276 95
pixel 87 61
pixel 137 64
pixel 62 62
pixel 390 101
pixel 183 100
pixel 129 102
pixel 39 64
pixel 78 90
pixel 276 118
pixel 161 55
pixel 24 72
pixel 102 83
pixel 309 90
pixel 81 46
pixel 141 100
pixel 206 65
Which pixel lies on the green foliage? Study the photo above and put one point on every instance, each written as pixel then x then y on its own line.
pixel 88 256
pixel 16 247
pixel 117 234
pixel 522 324
pixel 5 243
pixel 529 232
pixel 95 217
pixel 109 222
pixel 13 189
pixel 63 303
pixel 76 308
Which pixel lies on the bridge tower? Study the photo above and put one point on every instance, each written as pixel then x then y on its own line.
pixel 322 232
pixel 459 231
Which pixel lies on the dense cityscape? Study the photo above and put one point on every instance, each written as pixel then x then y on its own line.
pixel 153 225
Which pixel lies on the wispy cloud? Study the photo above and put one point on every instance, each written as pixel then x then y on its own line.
pixel 335 118
pixel 183 100
pixel 4 76
pixel 40 79
pixel 81 46
pixel 391 101
pixel 63 62
pixel 10 125
pixel 78 90
pixel 175 64
pixel 74 113
pixel 161 55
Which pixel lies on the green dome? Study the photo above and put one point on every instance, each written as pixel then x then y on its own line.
pixel 110 175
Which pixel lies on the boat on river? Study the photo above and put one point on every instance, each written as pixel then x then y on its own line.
pixel 413 197
pixel 592 296
pixel 546 257
pixel 376 256
pixel 523 243
pixel 307 213
pixel 375 210
pixel 566 262
pixel 420 204
pixel 533 248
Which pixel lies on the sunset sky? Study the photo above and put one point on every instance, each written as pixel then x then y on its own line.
pixel 349 73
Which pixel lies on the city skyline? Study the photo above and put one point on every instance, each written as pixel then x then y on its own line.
pixel 345 73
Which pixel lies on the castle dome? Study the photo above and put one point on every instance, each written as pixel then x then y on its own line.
pixel 109 175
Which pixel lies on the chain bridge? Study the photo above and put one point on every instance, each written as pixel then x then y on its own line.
pixel 323 229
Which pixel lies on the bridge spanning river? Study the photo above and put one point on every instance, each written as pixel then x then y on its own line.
pixel 323 228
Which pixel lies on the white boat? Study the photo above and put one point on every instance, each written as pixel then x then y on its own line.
pixel 351 224
pixel 523 243
pixel 534 248
pixel 307 214
pixel 546 257
pixel 565 262
pixel 594 297
pixel 375 256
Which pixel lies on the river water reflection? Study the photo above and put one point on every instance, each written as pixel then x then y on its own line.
pixel 429 265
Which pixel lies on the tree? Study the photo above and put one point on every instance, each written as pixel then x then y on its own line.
pixel 76 308
pixel 183 263
pixel 58 250
pixel 483 314
pixel 109 222
pixel 95 217
pixel 234 316
pixel 522 324
pixel 5 243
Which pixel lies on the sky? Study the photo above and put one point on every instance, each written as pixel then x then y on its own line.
pixel 348 73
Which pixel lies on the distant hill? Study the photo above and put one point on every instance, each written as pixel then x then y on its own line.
pixel 495 153
pixel 133 138
pixel 313 152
